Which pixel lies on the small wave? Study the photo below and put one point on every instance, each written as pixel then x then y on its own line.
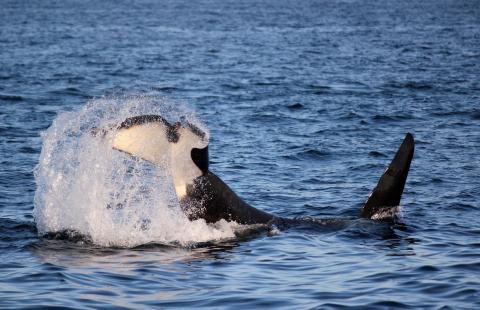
pixel 319 89
pixel 6 97
pixel 475 115
pixel 427 268
pixel 233 86
pixel 376 154
pixel 366 167
pixel 473 267
pixel 314 153
pixel 165 88
pixel 308 154
pixel 263 83
pixel 28 150
pixel 388 304
pixel 379 117
pixel 15 234
pixel 12 226
pixel 467 293
pixel 295 106
pixel 409 85
pixel 392 118
pixel 349 115
pixel 452 124
pixel 70 91
pixel 419 141
pixel 462 206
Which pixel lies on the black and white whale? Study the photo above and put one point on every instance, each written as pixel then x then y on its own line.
pixel 202 194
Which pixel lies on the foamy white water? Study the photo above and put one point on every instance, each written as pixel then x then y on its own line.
pixel 118 200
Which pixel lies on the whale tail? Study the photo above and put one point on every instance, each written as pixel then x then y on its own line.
pixel 385 197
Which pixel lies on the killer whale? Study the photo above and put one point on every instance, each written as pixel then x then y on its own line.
pixel 202 194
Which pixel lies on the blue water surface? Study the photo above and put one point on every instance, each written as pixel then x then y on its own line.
pixel 306 102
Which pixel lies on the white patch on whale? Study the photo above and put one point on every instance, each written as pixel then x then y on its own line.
pixel 149 141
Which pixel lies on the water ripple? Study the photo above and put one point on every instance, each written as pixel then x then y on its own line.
pixel 306 103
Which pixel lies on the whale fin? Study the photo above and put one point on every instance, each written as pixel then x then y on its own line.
pixel 148 137
pixel 386 196
pixel 181 147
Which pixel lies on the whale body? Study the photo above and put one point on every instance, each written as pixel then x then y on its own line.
pixel 202 194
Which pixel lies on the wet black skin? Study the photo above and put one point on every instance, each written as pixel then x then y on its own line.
pixel 211 199
pixel 388 192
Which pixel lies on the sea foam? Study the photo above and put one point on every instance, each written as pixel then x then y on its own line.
pixel 84 185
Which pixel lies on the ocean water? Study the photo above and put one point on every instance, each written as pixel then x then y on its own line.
pixel 305 103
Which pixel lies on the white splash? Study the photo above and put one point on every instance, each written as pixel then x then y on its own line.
pixel 118 200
